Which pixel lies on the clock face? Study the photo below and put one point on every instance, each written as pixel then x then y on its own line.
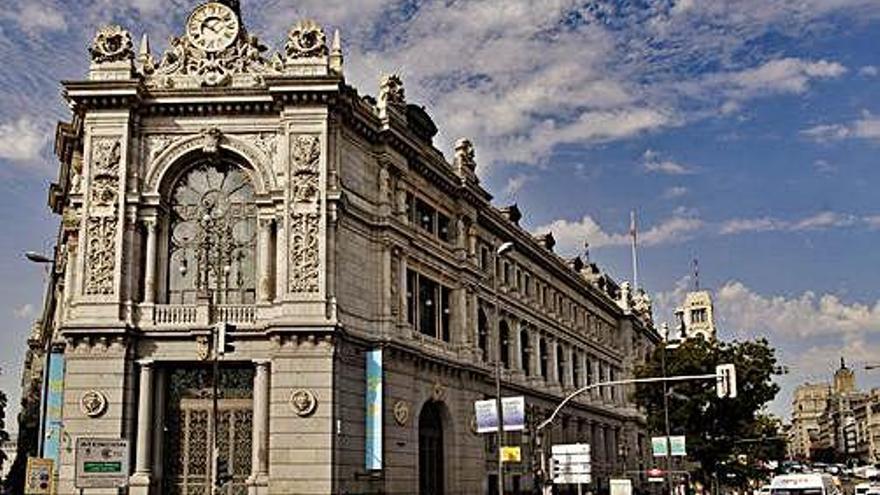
pixel 212 27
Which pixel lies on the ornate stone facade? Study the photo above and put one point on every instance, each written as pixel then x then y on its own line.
pixel 314 225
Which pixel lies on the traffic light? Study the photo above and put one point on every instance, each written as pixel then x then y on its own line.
pixel 222 470
pixel 222 338
pixel 725 385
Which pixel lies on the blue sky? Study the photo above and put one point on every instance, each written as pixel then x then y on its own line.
pixel 746 134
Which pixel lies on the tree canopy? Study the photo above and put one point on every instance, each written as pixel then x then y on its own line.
pixel 726 435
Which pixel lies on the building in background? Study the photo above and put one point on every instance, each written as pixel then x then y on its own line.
pixel 354 269
pixel 810 401
pixel 698 315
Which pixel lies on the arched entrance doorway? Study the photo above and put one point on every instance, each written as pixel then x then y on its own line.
pixel 431 456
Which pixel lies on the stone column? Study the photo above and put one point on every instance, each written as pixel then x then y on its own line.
pixel 159 425
pixel 552 366
pixel 140 480
pixel 569 366
pixel 265 268
pixel 536 353
pixel 150 266
pixel 258 482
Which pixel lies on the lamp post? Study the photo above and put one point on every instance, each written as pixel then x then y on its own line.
pixel 214 252
pixel 503 249
pixel 41 259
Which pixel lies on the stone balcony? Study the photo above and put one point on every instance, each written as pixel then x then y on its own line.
pixel 184 316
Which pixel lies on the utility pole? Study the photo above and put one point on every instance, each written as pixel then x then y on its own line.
pixel 666 422
pixel 503 249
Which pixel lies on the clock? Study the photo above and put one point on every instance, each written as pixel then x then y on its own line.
pixel 212 27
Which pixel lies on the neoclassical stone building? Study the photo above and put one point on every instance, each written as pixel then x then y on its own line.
pixel 216 183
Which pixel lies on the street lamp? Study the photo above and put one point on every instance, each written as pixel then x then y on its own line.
pixel 41 259
pixel 503 249
pixel 214 248
pixel 36 257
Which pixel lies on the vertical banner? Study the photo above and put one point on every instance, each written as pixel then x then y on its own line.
pixel 54 399
pixel 373 458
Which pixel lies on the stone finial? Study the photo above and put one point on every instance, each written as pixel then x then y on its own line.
pixel 464 155
pixel 335 61
pixel 145 56
pixel 664 331
pixel 306 39
pixel 112 43
pixel 625 297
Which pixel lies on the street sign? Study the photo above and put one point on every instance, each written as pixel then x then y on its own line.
pixel 676 444
pixel 101 463
pixel 511 454
pixel 39 477
pixel 621 486
pixel 570 463
pixel 725 385
pixel 513 411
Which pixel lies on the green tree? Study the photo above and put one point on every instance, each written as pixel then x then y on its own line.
pixel 726 436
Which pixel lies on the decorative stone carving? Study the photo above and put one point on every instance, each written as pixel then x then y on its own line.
pixel 305 154
pixel 304 213
pixel 203 348
pixel 267 142
pixel 191 64
pixel 156 144
pixel 303 402
pixel 401 412
pixel 464 155
pixel 105 157
pixel 395 281
pixel 438 392
pixel 304 252
pixel 211 140
pixel 102 222
pixel 101 255
pixel 93 403
pixel 306 39
pixel 391 92
pixel 112 43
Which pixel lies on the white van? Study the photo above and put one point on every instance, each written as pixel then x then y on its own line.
pixel 804 484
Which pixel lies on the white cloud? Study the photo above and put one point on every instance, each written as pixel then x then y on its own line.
pixel 22 140
pixel 869 71
pixel 873 221
pixel 867 127
pixel 741 225
pixel 824 166
pixel 24 311
pixel 675 192
pixel 806 315
pixel 571 235
pixel 820 221
pixel 653 162
pixel 515 184
pixel 787 75
pixel 35 17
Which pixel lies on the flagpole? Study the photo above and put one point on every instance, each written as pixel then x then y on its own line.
pixel 633 231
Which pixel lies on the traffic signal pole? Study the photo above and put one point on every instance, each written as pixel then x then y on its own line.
pixel 724 373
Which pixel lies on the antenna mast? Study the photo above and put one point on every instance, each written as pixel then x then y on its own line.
pixel 633 231
pixel 696 274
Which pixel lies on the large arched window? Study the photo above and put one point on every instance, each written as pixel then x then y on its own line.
pixel 483 334
pixel 504 344
pixel 212 235
pixel 525 350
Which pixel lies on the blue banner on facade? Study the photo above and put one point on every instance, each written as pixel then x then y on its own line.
pixel 374 410
pixel 54 400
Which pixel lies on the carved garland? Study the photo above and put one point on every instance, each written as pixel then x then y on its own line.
pixel 102 223
pixel 304 214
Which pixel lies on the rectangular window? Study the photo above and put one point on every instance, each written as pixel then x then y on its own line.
pixel 575 368
pixel 542 348
pixel 528 285
pixel 410 207
pixel 506 273
pixel 519 279
pixel 589 372
pixel 410 297
pixel 445 313
pixel 428 306
pixel 484 258
pixel 425 216
pixel 444 231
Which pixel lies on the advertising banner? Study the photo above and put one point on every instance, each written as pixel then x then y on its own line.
pixel 52 413
pixel 513 410
pixel 373 457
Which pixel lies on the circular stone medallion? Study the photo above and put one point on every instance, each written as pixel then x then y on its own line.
pixel 93 403
pixel 401 412
pixel 303 402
